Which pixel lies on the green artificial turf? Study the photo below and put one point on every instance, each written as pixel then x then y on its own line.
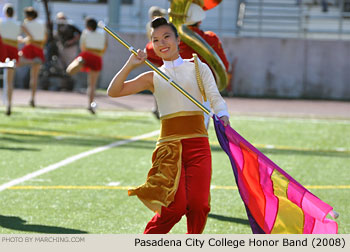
pixel 90 196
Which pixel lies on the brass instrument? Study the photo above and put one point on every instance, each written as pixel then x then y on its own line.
pixel 177 15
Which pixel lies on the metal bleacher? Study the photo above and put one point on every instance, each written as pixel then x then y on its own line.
pixel 261 18
pixel 293 18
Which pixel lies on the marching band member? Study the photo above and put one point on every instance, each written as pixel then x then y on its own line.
pixel 10 29
pixel 179 181
pixel 153 12
pixel 33 53
pixel 195 16
pixel 93 44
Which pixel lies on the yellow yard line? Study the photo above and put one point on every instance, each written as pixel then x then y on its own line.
pixel 213 143
pixel 33 132
pixel 214 187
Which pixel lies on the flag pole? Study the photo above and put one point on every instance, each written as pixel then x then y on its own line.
pixel 163 75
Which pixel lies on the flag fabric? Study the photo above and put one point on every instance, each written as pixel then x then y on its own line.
pixel 275 202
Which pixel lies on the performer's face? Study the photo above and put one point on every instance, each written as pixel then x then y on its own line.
pixel 165 43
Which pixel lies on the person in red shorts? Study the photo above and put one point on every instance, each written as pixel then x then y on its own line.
pixel 33 53
pixel 10 29
pixel 93 44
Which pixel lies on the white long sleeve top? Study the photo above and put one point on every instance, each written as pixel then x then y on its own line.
pixel 93 39
pixel 171 101
pixel 36 28
pixel 10 28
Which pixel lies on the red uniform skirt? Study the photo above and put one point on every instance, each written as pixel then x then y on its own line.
pixel 2 51
pixel 31 51
pixel 91 61
pixel 11 52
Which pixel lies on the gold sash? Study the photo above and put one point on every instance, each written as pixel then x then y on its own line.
pixel 163 178
pixel 95 51
pixel 181 125
pixel 10 42
pixel 37 43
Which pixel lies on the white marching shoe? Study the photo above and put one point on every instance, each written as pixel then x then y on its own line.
pixel 8 63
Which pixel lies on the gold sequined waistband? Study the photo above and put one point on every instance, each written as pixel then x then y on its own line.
pixel 181 127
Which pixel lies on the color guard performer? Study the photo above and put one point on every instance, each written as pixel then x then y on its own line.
pixel 93 44
pixel 10 29
pixel 179 181
pixel 195 16
pixel 33 51
pixel 153 12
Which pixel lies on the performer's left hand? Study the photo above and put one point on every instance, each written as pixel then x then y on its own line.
pixel 225 120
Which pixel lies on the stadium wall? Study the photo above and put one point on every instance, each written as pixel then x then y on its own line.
pixel 267 67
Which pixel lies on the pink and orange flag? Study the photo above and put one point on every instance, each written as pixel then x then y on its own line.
pixel 275 202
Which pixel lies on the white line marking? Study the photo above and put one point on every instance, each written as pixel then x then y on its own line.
pixel 340 149
pixel 113 184
pixel 73 159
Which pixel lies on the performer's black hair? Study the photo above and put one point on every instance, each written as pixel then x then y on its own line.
pixel 91 23
pixel 30 12
pixel 159 21
pixel 9 11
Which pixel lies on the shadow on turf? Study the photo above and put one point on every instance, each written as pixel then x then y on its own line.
pixel 74 141
pixel 16 223
pixel 229 219
pixel 18 149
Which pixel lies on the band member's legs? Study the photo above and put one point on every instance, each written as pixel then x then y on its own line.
pixel 198 176
pixel 192 196
pixel 92 81
pixel 162 224
pixel 10 75
pixel 75 66
pixel 23 61
pixel 34 74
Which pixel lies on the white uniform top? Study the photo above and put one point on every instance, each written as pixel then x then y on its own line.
pixel 93 39
pixel 36 29
pixel 9 28
pixel 183 72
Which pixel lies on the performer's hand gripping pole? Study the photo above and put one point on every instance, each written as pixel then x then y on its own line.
pixel 163 75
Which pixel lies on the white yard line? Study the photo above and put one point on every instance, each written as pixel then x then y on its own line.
pixel 73 159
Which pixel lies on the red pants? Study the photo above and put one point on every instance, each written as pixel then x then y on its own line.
pixel 193 194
